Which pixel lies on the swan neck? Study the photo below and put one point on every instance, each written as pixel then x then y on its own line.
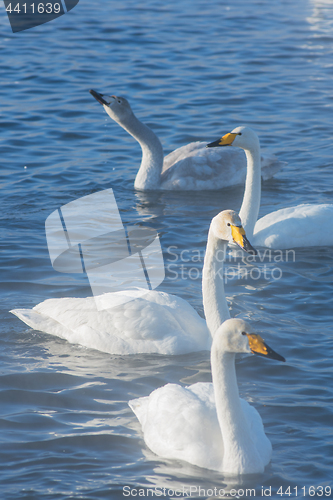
pixel 214 301
pixel 239 448
pixel 149 174
pixel 251 201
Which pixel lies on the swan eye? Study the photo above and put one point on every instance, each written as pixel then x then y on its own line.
pixel 239 133
pixel 119 101
pixel 244 333
pixel 228 224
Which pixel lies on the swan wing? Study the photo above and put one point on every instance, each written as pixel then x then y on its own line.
pixel 192 149
pixel 181 423
pixel 156 323
pixel 270 165
pixel 195 167
pixel 257 431
pixel 301 226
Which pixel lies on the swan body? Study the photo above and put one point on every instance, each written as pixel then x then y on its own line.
pixel 301 226
pixel 188 168
pixel 208 424
pixel 293 227
pixel 155 323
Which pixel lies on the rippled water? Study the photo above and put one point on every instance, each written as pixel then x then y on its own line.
pixel 191 70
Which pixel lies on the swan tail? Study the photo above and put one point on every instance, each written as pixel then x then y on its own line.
pixel 39 321
pixel 139 407
pixel 270 165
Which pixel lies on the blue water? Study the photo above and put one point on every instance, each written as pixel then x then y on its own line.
pixel 192 70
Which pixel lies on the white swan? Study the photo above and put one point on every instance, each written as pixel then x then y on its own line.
pixel 189 168
pixel 299 226
pixel 206 424
pixel 155 323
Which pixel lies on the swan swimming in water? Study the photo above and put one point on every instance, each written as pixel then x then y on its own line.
pixel 300 226
pixel 158 322
pixel 208 424
pixel 188 168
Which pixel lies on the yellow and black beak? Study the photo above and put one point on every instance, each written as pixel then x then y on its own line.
pixel 226 140
pixel 259 347
pixel 239 237
pixel 99 97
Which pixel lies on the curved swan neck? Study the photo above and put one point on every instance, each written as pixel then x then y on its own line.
pixel 214 301
pixel 149 174
pixel 251 201
pixel 239 449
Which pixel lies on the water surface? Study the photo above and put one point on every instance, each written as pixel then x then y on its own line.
pixel 191 71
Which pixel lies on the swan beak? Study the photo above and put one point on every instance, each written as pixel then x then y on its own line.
pixel 226 140
pixel 259 347
pixel 100 97
pixel 239 237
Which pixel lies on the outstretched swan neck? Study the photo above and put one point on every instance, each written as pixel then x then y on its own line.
pixel 119 109
pixel 251 201
pixel 214 301
pixel 149 174
pixel 240 452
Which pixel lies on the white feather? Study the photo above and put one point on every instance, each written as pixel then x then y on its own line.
pixel 207 424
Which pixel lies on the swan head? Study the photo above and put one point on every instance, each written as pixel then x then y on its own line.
pixel 228 226
pixel 236 335
pixel 118 108
pixel 241 137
